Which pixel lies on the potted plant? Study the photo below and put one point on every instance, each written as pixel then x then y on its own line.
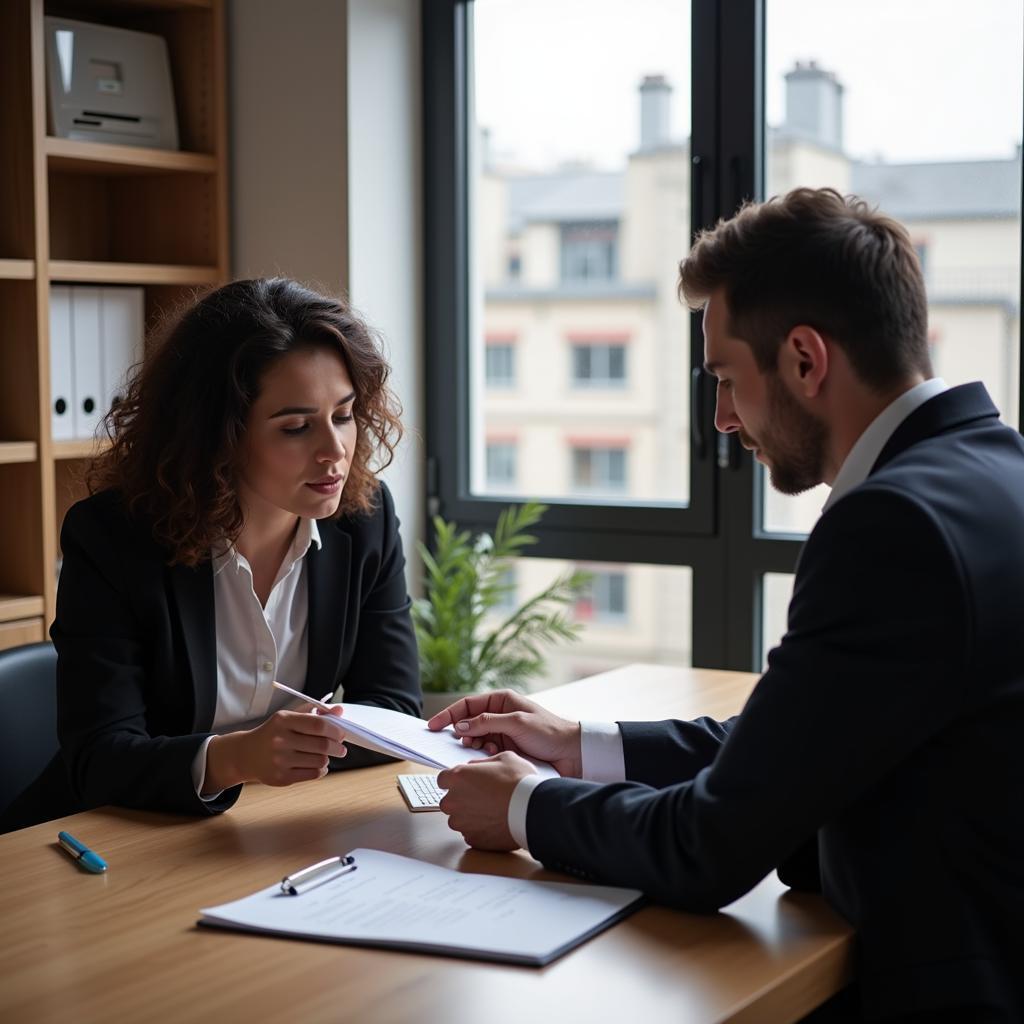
pixel 467 639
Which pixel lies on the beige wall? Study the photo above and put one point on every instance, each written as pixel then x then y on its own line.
pixel 289 154
pixel 325 108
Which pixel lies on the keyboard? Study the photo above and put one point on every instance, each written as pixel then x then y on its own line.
pixel 421 792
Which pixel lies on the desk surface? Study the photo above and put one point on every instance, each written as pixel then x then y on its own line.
pixel 124 946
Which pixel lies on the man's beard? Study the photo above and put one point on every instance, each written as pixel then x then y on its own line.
pixel 794 444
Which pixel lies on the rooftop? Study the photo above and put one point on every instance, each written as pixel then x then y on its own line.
pixel 964 189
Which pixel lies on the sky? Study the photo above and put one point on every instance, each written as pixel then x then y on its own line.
pixel 556 80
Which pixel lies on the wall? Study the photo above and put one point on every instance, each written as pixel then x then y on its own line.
pixel 324 106
pixel 287 117
pixel 385 218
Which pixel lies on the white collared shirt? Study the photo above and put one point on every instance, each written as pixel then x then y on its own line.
pixel 863 455
pixel 603 759
pixel 256 645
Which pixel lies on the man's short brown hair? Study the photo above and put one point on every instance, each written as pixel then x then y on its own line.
pixel 816 258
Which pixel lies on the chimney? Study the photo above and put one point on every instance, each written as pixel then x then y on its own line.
pixel 814 105
pixel 655 107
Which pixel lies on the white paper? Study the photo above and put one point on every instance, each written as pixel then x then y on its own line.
pixel 409 738
pixel 396 901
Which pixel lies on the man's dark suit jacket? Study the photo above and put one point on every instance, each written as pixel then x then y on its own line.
pixel 137 649
pixel 889 725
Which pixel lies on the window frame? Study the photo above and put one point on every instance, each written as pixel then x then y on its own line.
pixel 719 535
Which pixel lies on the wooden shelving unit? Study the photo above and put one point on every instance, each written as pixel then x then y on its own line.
pixel 85 272
pixel 77 449
pixel 18 451
pixel 17 270
pixel 90 213
pixel 103 158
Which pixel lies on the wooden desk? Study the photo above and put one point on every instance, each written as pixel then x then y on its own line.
pixel 124 946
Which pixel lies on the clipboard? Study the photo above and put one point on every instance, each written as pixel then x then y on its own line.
pixel 394 902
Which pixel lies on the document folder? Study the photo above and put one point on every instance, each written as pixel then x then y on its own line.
pixel 392 902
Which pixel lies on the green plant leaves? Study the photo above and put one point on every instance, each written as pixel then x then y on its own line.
pixel 466 579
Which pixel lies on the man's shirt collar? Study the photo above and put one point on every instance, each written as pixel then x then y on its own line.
pixel 863 455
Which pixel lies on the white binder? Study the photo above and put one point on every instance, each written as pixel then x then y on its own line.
pixel 122 322
pixel 62 369
pixel 89 389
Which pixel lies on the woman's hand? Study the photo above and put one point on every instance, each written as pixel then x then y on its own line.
pixel 505 720
pixel 289 747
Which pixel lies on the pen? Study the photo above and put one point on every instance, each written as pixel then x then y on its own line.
pixel 304 696
pixel 86 858
pixel 317 874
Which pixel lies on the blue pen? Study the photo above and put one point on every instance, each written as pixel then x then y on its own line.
pixel 86 858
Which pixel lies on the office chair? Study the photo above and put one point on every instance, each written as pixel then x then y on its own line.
pixel 33 782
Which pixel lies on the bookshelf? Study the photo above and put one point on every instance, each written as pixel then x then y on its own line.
pixel 90 213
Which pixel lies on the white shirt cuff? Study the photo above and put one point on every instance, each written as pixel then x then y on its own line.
pixel 199 772
pixel 601 752
pixel 517 807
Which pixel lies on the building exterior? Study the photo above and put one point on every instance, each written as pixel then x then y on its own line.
pixel 581 378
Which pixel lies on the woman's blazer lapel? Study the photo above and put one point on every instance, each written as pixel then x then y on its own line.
pixel 329 570
pixel 193 593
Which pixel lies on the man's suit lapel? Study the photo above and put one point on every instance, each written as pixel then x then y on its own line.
pixel 329 570
pixel 953 408
pixel 193 592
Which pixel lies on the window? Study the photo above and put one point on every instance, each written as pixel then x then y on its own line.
pixel 597 365
pixel 508 599
pixel 598 469
pixel 596 183
pixel 501 463
pixel 500 369
pixel 590 252
pixel 921 248
pixel 953 182
pixel 606 598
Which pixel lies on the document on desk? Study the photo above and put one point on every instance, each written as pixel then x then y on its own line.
pixel 395 902
pixel 407 737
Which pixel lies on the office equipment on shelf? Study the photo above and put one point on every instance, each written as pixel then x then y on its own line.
pixel 395 902
pixel 95 337
pixel 421 792
pixel 107 84
pixel 404 736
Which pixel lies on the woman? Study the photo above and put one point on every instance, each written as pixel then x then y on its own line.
pixel 235 534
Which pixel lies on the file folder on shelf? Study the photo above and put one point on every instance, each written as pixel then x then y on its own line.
pixel 62 369
pixel 86 330
pixel 95 338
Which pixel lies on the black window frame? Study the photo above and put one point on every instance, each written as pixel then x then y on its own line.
pixel 719 535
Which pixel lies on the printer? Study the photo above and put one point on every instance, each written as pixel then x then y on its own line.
pixel 109 84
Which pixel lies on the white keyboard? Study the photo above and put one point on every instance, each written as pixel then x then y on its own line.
pixel 421 792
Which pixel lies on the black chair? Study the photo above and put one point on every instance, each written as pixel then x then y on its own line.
pixel 33 781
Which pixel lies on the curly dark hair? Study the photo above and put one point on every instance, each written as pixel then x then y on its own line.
pixel 175 436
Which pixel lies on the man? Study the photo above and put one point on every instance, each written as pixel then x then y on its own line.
pixel 887 733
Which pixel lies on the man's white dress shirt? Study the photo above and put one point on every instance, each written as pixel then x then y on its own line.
pixel 602 755
pixel 256 645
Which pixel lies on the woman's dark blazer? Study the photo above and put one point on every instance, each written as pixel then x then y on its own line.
pixel 137 649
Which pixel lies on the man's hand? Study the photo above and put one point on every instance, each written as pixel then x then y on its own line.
pixel 289 747
pixel 478 797
pixel 505 720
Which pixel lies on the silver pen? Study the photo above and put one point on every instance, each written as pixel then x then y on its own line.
pixel 317 874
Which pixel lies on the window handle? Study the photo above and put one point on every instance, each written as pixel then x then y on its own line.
pixel 728 451
pixel 696 194
pixel 697 413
